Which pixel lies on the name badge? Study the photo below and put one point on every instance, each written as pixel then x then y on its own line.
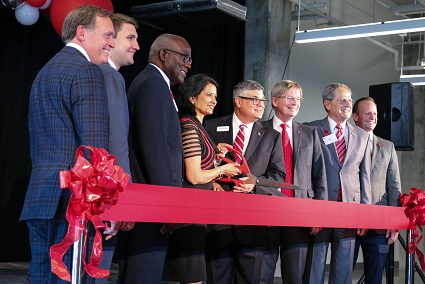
pixel 222 128
pixel 330 139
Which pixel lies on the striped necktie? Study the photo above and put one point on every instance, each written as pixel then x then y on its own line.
pixel 341 149
pixel 239 142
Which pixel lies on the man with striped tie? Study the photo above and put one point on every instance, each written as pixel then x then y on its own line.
pixel 347 159
pixel 235 253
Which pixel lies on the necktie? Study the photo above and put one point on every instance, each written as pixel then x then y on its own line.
pixel 171 94
pixel 239 142
pixel 341 150
pixel 287 157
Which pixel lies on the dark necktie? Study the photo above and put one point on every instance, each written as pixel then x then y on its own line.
pixel 239 142
pixel 287 157
pixel 341 149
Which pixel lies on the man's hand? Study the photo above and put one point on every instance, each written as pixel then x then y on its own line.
pixel 315 230
pixel 392 236
pixel 111 229
pixel 361 232
pixel 167 228
pixel 127 226
pixel 244 188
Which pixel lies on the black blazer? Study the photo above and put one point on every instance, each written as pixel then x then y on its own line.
pixel 265 160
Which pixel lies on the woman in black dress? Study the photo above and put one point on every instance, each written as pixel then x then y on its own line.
pixel 186 252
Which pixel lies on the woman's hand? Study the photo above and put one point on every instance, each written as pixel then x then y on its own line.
pixel 222 147
pixel 230 170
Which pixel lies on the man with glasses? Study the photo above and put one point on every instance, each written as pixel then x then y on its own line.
pixel 156 152
pixel 347 159
pixel 236 252
pixel 305 167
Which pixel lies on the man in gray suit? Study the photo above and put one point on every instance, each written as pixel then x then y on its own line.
pixel 235 253
pixel 305 169
pixel 347 159
pixel 386 189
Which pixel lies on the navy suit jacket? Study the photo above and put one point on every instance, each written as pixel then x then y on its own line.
pixel 265 160
pixel 155 140
pixel 307 161
pixel 68 107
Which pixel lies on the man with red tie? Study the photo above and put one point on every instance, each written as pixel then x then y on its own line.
pixel 347 159
pixel 305 167
pixel 235 253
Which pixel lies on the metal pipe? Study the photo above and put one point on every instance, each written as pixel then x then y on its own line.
pixel 77 258
pixel 410 258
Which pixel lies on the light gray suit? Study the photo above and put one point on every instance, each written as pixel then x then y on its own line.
pixel 354 177
pixel 310 174
pixel 386 189
pixel 385 174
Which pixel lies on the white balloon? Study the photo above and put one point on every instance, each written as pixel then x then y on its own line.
pixel 46 5
pixel 26 14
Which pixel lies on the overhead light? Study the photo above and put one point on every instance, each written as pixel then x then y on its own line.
pixel 408 9
pixel 413 79
pixel 359 31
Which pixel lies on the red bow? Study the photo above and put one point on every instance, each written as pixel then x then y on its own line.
pixel 415 210
pixel 94 187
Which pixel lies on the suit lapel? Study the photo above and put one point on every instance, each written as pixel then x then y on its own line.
pixel 226 136
pixel 376 149
pixel 325 131
pixel 350 143
pixel 297 134
pixel 256 135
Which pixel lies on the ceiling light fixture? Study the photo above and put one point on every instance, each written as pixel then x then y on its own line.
pixel 359 31
pixel 415 80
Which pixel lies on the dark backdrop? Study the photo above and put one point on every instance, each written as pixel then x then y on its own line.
pixel 217 49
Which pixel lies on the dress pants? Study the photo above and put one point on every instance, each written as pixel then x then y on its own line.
pixel 375 251
pixel 342 254
pixel 292 244
pixel 43 234
pixel 232 262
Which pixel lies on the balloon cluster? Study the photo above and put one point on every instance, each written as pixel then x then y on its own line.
pixel 27 12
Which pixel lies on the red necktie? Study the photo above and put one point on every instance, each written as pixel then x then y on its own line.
pixel 341 149
pixel 171 94
pixel 287 157
pixel 239 142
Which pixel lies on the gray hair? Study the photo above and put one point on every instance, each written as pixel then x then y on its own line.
pixel 246 86
pixel 329 91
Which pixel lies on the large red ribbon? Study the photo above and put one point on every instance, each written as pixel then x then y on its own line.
pixel 94 187
pixel 414 205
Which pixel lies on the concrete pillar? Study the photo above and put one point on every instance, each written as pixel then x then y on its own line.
pixel 267 42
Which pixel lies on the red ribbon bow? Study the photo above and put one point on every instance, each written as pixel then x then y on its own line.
pixel 94 187
pixel 415 210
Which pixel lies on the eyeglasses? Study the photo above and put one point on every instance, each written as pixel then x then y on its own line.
pixel 292 99
pixel 186 57
pixel 345 101
pixel 254 101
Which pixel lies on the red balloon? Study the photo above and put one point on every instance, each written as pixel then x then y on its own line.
pixel 60 8
pixel 36 3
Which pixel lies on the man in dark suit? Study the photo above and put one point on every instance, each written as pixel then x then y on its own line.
pixel 156 152
pixel 305 168
pixel 235 253
pixel 347 160
pixel 68 108
pixel 126 45
pixel 386 189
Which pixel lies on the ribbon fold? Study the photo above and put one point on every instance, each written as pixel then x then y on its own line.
pixel 415 211
pixel 94 188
